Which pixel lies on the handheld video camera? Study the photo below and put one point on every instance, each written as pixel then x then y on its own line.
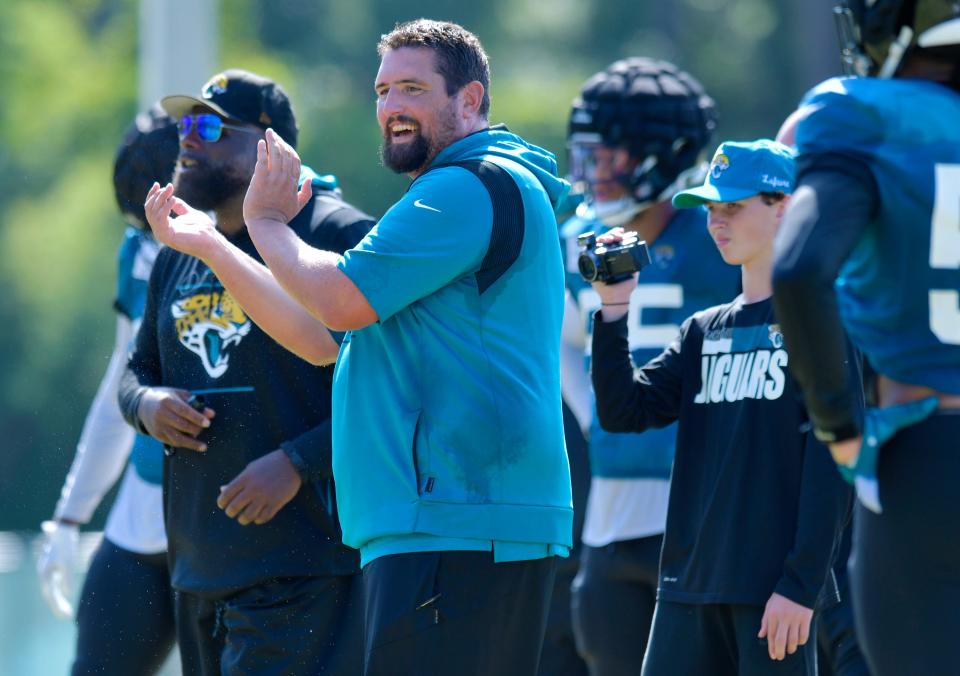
pixel 614 263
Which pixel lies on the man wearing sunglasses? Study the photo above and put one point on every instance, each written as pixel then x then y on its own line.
pixel 262 579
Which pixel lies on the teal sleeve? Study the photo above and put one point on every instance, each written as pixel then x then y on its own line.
pixel 126 298
pixel 436 234
pixel 838 121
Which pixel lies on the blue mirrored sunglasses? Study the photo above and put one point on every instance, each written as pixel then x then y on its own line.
pixel 209 127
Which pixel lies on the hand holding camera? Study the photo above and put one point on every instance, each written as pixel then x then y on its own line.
pixel 611 263
pixel 611 257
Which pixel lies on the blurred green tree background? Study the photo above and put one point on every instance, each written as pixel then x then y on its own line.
pixel 69 74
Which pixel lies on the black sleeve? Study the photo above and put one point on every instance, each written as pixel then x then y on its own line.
pixel 339 228
pixel 330 224
pixel 823 510
pixel 143 366
pixel 312 452
pixel 349 226
pixel 632 399
pixel 835 200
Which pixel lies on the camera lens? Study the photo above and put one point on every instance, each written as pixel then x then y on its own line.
pixel 588 267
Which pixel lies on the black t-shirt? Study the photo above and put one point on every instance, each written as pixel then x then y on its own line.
pixel 756 504
pixel 196 336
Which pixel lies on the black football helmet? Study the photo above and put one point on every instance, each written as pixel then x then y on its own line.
pixel 147 153
pixel 876 34
pixel 658 113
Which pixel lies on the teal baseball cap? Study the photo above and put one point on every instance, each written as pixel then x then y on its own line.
pixel 741 170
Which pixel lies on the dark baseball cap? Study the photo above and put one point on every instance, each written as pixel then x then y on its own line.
pixel 243 96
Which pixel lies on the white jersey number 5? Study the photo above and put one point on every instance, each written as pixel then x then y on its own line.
pixel 945 253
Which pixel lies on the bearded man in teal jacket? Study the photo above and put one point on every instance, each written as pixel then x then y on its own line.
pixel 451 473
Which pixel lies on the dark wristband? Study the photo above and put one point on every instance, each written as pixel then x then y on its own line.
pixel 297 461
pixel 848 431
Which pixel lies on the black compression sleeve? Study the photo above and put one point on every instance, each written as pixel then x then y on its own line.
pixel 835 200
pixel 129 394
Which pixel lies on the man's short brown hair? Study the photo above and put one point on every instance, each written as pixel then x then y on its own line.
pixel 460 56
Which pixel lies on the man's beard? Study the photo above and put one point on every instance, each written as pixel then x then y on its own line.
pixel 209 186
pixel 415 155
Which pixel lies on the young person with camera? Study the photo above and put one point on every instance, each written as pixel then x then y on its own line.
pixel 755 504
pixel 638 129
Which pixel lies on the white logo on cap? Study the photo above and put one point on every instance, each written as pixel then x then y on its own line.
pixel 775 182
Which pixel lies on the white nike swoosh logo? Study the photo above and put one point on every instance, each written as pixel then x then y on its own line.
pixel 419 203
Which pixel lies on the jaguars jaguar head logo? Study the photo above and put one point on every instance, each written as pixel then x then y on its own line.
pixel 216 85
pixel 775 336
pixel 209 325
pixel 719 165
pixel 663 255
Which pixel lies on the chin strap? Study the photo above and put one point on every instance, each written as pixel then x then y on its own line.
pixel 617 213
pixel 895 54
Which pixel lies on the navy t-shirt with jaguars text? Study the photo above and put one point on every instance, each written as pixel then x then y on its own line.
pixel 756 504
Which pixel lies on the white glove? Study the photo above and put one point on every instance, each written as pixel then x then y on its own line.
pixel 57 565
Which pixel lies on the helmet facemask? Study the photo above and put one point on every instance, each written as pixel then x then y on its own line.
pixel 875 36
pixel 637 130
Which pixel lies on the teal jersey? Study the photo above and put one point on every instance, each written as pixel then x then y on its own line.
pixel 687 274
pixel 899 290
pixel 447 423
pixel 134 263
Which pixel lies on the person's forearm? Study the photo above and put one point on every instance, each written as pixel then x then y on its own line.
pixel 129 394
pixel 104 444
pixel 823 510
pixel 309 275
pixel 270 306
pixel 629 399
pixel 829 212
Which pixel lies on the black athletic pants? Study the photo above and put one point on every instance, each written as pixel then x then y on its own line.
pixel 455 613
pixel 125 615
pixel 719 640
pixel 291 626
pixel 614 596
pixel 838 650
pixel 559 656
pixel 905 571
